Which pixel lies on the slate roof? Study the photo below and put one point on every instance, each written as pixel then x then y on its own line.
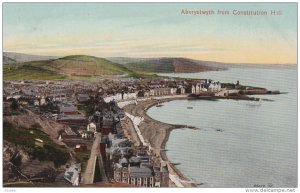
pixel 72 172
pixel 141 172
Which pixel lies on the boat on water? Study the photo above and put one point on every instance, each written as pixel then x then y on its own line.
pixel 189 107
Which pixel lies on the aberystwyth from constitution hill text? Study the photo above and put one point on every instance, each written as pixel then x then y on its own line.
pixel 234 12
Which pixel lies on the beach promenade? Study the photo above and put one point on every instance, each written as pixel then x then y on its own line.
pixel 161 131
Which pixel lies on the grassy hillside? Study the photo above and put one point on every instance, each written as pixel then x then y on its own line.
pixel 167 65
pixel 67 67
pixel 30 71
pixel 82 65
pixel 159 66
pixel 22 136
pixel 8 60
pixel 90 67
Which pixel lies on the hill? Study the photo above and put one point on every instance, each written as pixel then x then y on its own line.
pixel 11 57
pixel 22 158
pixel 181 65
pixel 87 67
pixel 75 66
pixel 8 60
pixel 168 65
pixel 82 65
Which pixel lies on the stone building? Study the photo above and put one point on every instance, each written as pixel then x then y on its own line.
pixel 140 174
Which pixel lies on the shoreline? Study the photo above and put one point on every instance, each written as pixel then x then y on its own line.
pixel 159 135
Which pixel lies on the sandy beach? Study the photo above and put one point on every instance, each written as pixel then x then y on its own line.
pixel 156 132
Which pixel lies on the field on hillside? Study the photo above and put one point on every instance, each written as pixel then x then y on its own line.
pixel 83 67
pixel 30 71
pixel 80 67
pixel 170 65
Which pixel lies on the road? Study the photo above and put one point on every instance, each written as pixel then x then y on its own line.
pixel 89 173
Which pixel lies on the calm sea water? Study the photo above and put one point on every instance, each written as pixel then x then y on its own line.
pixel 238 144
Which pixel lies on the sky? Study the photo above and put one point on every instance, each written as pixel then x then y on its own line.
pixel 153 30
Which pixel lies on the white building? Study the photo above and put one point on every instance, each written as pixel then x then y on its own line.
pixel 214 86
pixel 43 101
pixel 91 127
pixel 173 91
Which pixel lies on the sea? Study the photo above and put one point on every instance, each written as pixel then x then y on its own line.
pixel 239 144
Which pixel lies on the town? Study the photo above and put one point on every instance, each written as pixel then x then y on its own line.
pixel 105 142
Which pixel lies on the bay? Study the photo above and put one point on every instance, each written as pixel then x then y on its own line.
pixel 239 144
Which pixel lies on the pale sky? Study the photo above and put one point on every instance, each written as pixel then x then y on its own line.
pixel 152 30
